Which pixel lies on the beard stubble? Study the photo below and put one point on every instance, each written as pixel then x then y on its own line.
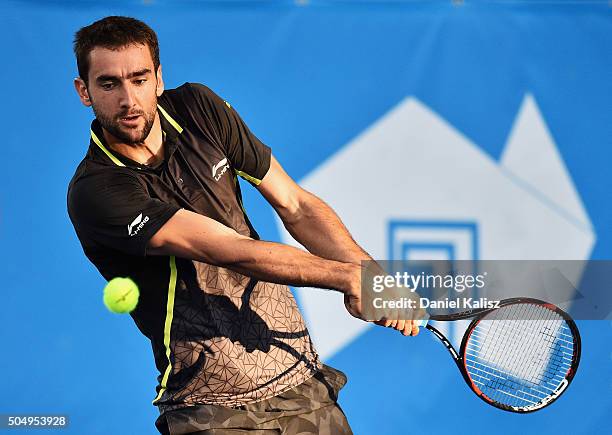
pixel 111 124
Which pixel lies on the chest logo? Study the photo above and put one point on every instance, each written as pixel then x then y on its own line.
pixel 137 225
pixel 219 169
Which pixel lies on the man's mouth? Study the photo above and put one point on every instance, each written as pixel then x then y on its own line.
pixel 130 120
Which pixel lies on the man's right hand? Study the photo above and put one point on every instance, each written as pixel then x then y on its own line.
pixel 353 304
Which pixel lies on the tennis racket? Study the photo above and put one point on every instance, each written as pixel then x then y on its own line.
pixel 520 356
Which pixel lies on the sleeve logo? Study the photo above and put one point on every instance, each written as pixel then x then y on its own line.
pixel 137 225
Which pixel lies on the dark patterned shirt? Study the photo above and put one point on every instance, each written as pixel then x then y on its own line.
pixel 218 337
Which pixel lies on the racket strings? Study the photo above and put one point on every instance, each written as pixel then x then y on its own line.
pixel 519 355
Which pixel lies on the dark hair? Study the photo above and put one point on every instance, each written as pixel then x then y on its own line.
pixel 113 33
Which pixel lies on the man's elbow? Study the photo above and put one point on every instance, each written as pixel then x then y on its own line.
pixel 157 245
pixel 297 207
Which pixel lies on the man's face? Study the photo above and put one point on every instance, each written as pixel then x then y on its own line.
pixel 123 91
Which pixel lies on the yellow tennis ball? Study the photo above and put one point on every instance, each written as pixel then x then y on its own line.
pixel 121 295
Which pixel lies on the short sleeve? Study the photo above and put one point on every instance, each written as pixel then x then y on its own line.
pixel 116 212
pixel 248 155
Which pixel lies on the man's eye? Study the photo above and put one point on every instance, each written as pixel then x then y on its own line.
pixel 140 81
pixel 106 86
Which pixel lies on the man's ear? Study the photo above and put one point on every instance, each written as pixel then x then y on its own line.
pixel 160 81
pixel 81 89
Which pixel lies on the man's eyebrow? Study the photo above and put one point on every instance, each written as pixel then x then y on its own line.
pixel 141 72
pixel 106 77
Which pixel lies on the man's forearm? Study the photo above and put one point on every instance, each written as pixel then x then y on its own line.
pixel 275 262
pixel 319 229
pixel 211 242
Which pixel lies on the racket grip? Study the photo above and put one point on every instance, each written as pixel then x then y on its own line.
pixel 421 323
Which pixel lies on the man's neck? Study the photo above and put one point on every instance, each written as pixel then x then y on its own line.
pixel 150 152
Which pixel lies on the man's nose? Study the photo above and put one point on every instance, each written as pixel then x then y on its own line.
pixel 127 98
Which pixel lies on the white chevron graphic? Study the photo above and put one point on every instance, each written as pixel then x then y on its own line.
pixel 526 205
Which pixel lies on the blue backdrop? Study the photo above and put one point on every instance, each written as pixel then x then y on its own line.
pixel 308 77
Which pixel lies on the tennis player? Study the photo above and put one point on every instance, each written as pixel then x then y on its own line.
pixel 156 198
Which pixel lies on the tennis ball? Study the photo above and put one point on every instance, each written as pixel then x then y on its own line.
pixel 121 295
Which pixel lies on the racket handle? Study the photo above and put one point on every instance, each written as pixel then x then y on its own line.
pixel 423 322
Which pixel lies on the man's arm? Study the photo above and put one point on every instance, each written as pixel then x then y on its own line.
pixel 319 229
pixel 197 237
pixel 309 219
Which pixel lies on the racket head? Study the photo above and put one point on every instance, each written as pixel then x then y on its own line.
pixel 522 356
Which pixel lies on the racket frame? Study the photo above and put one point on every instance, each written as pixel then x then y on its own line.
pixel 478 315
